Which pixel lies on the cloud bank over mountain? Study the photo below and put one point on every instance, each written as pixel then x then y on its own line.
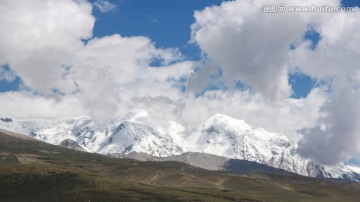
pixel 247 56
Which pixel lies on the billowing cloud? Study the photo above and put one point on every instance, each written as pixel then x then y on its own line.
pixel 38 39
pixel 249 45
pixel 110 71
pixel 335 61
pixel 337 136
pixel 336 53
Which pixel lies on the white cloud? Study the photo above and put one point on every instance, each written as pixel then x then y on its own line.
pixel 110 71
pixel 22 105
pixel 337 135
pixel 335 60
pixel 249 45
pixel 104 6
pixel 336 53
pixel 37 38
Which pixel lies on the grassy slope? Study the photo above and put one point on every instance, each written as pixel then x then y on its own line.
pixel 35 171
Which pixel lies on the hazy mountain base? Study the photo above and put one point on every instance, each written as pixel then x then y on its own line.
pixel 208 162
pixel 31 170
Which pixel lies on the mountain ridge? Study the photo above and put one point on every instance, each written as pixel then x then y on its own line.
pixel 219 135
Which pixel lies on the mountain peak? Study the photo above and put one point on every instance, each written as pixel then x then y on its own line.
pixel 71 144
pixel 224 121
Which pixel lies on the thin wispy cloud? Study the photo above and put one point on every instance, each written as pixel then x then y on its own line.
pixel 6 74
pixel 104 6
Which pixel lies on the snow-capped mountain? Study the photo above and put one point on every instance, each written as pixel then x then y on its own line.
pixel 138 132
pixel 134 133
pixel 225 136
pixel 228 137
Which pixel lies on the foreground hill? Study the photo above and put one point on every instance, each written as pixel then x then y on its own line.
pixel 31 170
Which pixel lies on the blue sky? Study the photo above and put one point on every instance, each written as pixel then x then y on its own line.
pixel 166 22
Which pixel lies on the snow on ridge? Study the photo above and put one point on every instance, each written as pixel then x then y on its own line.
pixel 354 169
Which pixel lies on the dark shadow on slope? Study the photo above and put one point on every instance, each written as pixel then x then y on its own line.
pixel 244 166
